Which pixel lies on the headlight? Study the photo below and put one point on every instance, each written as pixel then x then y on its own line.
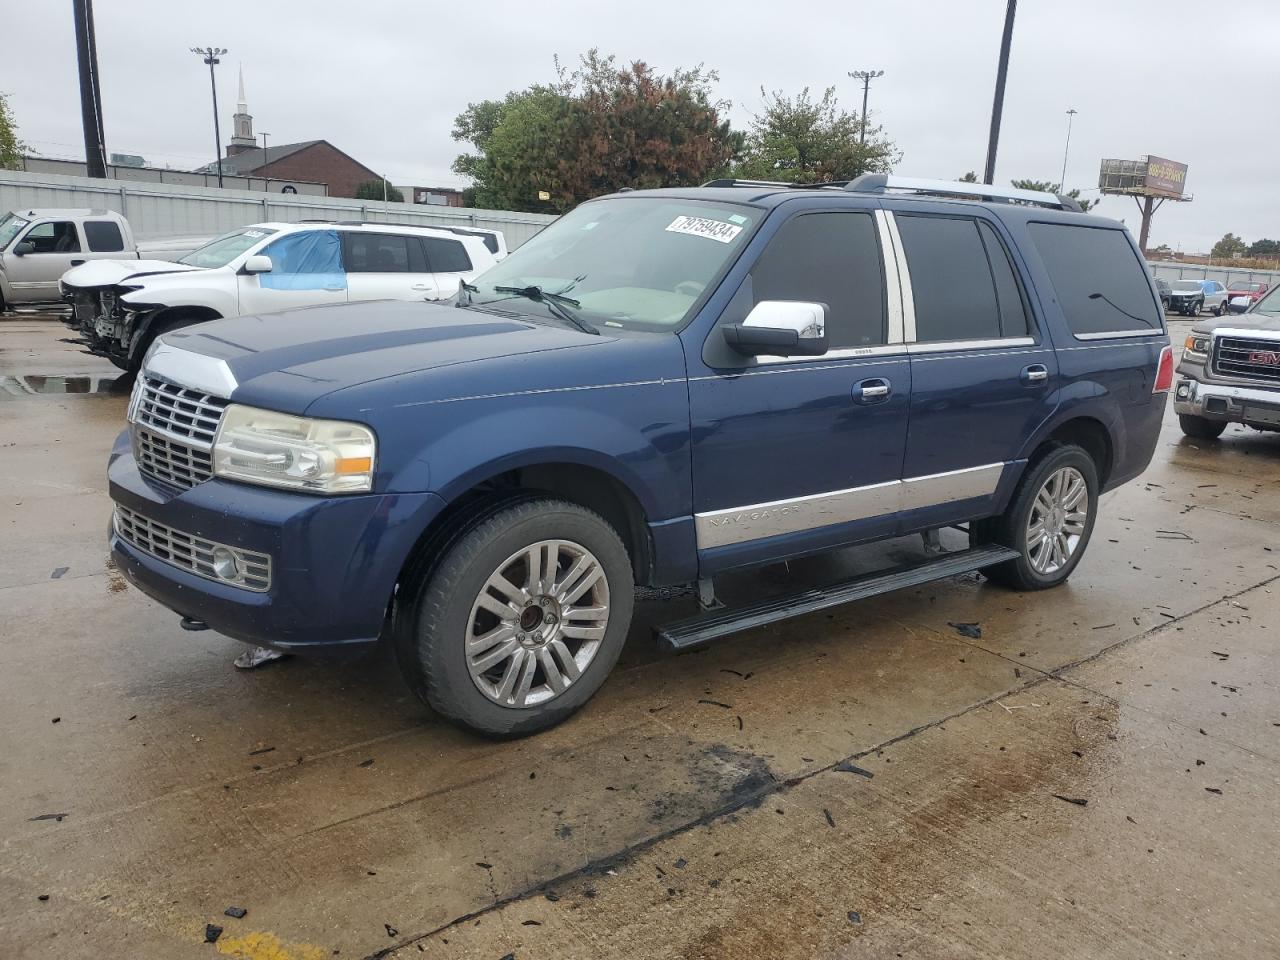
pixel 1196 345
pixel 298 453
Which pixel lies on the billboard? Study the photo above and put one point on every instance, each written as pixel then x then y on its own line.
pixel 1165 177
pixel 1150 176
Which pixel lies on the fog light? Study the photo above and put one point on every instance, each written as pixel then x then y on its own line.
pixel 1184 390
pixel 225 564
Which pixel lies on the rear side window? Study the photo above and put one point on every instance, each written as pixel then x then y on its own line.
pixel 376 253
pixel 103 236
pixel 831 258
pixel 446 256
pixel 951 279
pixel 1101 284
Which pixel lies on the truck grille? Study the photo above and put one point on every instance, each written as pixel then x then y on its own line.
pixel 1251 358
pixel 206 558
pixel 173 432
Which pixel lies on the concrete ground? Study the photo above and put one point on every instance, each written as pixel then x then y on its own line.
pixel 1095 776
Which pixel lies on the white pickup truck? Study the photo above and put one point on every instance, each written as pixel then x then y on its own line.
pixel 38 246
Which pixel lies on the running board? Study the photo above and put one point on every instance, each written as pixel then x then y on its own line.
pixel 705 627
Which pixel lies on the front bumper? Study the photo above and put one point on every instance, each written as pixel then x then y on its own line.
pixel 334 560
pixel 1232 404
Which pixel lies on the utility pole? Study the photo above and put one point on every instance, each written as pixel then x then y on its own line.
pixel 95 150
pixel 210 56
pixel 866 76
pixel 266 177
pixel 1062 182
pixel 264 146
pixel 997 107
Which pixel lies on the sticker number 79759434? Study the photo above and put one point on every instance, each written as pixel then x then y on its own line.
pixel 702 227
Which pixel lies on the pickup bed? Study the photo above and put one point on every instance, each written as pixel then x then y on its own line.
pixel 660 387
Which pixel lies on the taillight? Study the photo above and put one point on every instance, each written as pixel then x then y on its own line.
pixel 1164 371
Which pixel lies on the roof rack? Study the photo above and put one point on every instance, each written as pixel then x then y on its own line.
pixel 734 182
pixel 882 183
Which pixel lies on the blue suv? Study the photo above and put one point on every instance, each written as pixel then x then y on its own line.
pixel 660 387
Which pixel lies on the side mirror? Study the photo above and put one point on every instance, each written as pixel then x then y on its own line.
pixel 780 328
pixel 1240 303
pixel 25 247
pixel 258 263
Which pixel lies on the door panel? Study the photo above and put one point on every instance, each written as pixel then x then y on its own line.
pixel 34 277
pixel 983 375
pixel 793 455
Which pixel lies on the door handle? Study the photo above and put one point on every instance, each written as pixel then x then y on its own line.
pixel 1034 374
pixel 420 286
pixel 76 263
pixel 875 390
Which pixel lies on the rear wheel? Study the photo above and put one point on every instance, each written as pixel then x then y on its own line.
pixel 1049 521
pixel 1220 309
pixel 521 620
pixel 1201 428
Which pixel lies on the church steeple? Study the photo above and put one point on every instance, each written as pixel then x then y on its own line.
pixel 242 137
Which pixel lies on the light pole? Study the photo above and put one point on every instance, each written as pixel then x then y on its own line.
pixel 997 106
pixel 266 186
pixel 211 55
pixel 866 76
pixel 1062 183
pixel 264 146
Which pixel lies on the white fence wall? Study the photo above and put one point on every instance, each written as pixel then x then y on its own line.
pixel 1173 270
pixel 159 210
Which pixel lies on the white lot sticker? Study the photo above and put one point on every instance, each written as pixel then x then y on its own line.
pixel 702 227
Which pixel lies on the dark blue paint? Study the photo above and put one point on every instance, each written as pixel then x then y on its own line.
pixel 457 397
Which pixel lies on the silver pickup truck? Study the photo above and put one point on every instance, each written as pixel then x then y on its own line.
pixel 38 246
pixel 1230 372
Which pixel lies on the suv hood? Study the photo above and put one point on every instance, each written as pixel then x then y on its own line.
pixel 107 273
pixel 285 361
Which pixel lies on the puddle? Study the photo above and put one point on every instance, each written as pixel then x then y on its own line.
pixel 69 384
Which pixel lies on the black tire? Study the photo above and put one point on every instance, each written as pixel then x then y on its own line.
pixel 1010 528
pixel 1220 309
pixel 431 644
pixel 1194 311
pixel 1201 428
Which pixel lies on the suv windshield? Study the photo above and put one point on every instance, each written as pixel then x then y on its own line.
pixel 9 228
pixel 1187 286
pixel 220 252
pixel 638 263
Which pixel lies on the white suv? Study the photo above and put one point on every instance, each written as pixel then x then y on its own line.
pixel 120 306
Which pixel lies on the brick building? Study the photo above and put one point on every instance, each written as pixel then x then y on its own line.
pixel 318 161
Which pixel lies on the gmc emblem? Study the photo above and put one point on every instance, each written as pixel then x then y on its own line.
pixel 1270 358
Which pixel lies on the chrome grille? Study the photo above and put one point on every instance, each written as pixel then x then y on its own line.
pixel 242 568
pixel 1252 358
pixel 173 431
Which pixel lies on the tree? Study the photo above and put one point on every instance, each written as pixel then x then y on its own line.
pixel 11 148
pixel 1162 252
pixel 372 190
pixel 1264 248
pixel 1046 186
pixel 969 177
pixel 800 140
pixel 1228 247
pixel 600 127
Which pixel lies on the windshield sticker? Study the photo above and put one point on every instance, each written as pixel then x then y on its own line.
pixel 256 234
pixel 737 218
pixel 702 227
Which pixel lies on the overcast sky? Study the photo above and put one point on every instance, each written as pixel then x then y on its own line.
pixel 1181 79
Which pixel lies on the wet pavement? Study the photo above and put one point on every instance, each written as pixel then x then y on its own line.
pixel 1094 776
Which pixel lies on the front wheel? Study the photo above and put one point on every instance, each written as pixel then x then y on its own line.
pixel 1049 522
pixel 522 619
pixel 1201 428
pixel 1195 309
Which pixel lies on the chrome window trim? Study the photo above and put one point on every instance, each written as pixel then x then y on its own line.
pixel 848 353
pixel 904 279
pixel 896 332
pixel 185 368
pixel 732 525
pixel 1120 334
pixel 946 346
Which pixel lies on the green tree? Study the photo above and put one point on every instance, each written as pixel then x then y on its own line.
pixel 802 140
pixel 1229 246
pixel 598 128
pixel 969 177
pixel 372 190
pixel 1047 186
pixel 11 148
pixel 1264 248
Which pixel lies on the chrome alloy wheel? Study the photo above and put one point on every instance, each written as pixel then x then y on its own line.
pixel 538 623
pixel 1059 515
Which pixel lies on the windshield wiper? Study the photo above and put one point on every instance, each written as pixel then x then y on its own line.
pixel 555 302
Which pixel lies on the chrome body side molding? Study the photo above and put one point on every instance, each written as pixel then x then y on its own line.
pixel 720 528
